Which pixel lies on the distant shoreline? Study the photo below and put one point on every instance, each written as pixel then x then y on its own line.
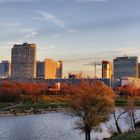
pixel 28 112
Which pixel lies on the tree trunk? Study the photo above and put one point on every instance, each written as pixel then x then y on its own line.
pixel 116 123
pixel 118 128
pixel 133 119
pixel 87 136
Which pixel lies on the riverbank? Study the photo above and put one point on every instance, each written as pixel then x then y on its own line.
pixel 47 104
pixel 128 136
pixel 31 112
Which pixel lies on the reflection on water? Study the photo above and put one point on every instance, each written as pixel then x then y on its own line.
pixel 51 126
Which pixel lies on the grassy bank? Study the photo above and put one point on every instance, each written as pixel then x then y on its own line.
pixel 128 136
pixel 122 101
pixel 45 103
pixel 50 102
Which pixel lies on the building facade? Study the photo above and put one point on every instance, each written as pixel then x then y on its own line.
pixel 59 71
pixel 130 81
pixel 139 70
pixel 125 67
pixel 23 61
pixel 49 69
pixel 106 69
pixel 40 69
pixel 5 69
pixel 75 75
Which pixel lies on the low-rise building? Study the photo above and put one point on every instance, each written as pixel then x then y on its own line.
pixel 130 81
pixel 49 69
pixel 5 69
pixel 75 75
pixel 125 67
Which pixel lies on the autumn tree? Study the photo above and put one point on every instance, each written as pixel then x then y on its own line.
pixel 64 90
pixel 20 91
pixel 9 93
pixel 132 94
pixel 132 117
pixel 92 103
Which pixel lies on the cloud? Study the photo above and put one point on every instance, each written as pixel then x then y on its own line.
pixel 57 35
pixel 11 43
pixel 27 32
pixel 12 24
pixel 51 18
pixel 4 1
pixel 31 34
pixel 99 55
pixel 19 33
pixel 51 46
pixel 7 9
pixel 83 1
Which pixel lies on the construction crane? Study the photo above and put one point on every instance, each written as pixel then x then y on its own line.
pixel 95 64
pixel 1 58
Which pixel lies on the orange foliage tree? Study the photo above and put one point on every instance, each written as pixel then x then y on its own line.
pixel 92 103
pixel 14 91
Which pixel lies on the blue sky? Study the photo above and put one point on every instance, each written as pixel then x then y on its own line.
pixel 75 31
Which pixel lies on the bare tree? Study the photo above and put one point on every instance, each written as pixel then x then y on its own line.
pixel 92 103
pixel 132 117
pixel 117 118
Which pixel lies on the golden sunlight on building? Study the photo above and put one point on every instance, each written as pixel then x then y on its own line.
pixel 49 69
pixel 106 69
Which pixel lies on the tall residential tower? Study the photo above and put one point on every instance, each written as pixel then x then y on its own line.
pixel 23 61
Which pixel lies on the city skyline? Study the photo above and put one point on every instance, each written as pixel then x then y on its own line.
pixel 76 32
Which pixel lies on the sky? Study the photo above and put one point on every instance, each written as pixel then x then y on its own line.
pixel 75 31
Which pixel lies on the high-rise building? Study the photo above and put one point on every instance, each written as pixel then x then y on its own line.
pixel 106 69
pixel 49 69
pixel 125 66
pixel 23 61
pixel 5 69
pixel 59 71
pixel 40 69
pixel 139 70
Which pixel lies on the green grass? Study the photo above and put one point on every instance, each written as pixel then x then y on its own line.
pixel 122 101
pixel 3 105
pixel 128 136
pixel 28 106
pixel 50 102
pixel 46 102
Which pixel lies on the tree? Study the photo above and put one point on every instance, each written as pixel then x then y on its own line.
pixel 132 93
pixel 132 117
pixel 117 118
pixel 92 103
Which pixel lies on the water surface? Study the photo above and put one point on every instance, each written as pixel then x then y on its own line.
pixel 50 126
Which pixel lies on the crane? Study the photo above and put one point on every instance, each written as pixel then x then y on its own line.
pixel 1 58
pixel 95 64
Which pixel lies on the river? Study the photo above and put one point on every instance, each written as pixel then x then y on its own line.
pixel 50 126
